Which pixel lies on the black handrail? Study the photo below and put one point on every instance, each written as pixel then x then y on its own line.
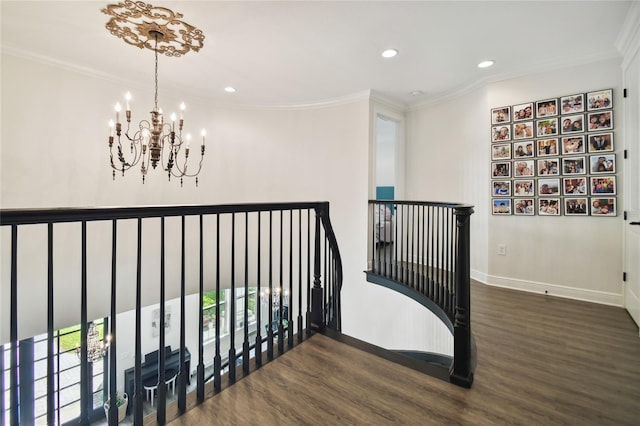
pixel 421 249
pixel 322 308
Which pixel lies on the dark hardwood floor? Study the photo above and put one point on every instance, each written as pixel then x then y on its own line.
pixel 541 361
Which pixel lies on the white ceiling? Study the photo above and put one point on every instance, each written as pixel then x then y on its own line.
pixel 301 53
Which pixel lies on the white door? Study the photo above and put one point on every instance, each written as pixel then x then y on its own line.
pixel 632 189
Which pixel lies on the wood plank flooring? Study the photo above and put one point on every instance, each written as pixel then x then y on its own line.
pixel 541 361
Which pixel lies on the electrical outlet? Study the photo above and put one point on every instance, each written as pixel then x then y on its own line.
pixel 502 249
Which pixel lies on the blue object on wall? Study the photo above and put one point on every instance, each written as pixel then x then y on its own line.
pixel 384 193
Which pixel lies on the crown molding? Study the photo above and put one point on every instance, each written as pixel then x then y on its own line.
pixel 628 40
pixel 91 72
pixel 387 102
pixel 48 60
pixel 541 68
pixel 324 103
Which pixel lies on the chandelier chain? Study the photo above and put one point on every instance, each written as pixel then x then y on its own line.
pixel 156 73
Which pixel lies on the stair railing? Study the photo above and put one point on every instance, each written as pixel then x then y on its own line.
pixel 283 258
pixel 422 250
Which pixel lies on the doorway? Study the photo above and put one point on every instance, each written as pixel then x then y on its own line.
pixel 632 190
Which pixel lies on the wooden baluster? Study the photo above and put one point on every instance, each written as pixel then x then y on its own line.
pixel 200 369
pixel 291 323
pixel 245 343
pixel 299 322
pixel 270 305
pixel 258 350
pixel 182 368
pixel 232 314
pixel 161 414
pixel 281 289
pixel 138 397
pixel 217 360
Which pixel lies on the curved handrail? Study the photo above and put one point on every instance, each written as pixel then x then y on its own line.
pixel 421 249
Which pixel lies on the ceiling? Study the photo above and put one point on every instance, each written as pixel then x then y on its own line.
pixel 306 53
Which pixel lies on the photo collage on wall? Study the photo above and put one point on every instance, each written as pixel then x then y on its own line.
pixel 554 157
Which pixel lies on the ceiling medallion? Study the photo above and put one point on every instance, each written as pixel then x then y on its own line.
pixel 139 23
pixel 152 142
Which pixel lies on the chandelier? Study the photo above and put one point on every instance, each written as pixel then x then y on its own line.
pixel 155 141
pixel 96 347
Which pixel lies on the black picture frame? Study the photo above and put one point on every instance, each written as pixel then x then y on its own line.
pixel 501 115
pixel 547 108
pixel 522 112
pixel 599 99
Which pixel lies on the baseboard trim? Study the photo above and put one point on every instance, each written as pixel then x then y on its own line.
pixel 479 276
pixel 601 297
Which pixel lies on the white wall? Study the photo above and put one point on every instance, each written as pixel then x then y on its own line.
pixel 385 151
pixel 578 257
pixel 446 143
pixel 54 154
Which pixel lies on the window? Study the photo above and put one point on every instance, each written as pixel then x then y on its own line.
pixel 66 365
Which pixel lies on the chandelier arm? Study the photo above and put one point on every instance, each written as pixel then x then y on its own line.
pixel 136 143
pixel 183 172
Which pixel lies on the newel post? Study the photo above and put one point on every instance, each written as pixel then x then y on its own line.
pixel 317 295
pixel 462 374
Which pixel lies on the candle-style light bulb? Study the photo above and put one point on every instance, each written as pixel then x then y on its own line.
pixel 118 108
pixel 173 121
pixel 188 138
pixel 203 133
pixel 144 141
pixel 182 107
pixel 111 126
pixel 127 97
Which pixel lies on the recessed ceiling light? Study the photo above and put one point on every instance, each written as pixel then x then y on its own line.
pixel 389 53
pixel 417 93
pixel 485 64
pixel 229 89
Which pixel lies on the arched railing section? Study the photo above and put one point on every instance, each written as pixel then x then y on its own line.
pixel 272 274
pixel 421 249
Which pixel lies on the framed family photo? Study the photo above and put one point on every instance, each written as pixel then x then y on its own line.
pixel 548 187
pixel 572 104
pixel 601 142
pixel 576 207
pixel 574 166
pixel 546 108
pixel 605 163
pixel 549 206
pixel 523 168
pixel 501 115
pixel 523 149
pixel 501 206
pixel 603 207
pixel 501 151
pixel 501 169
pixel 550 167
pixel 572 124
pixel 501 133
pixel 603 185
pixel 599 121
pixel 573 145
pixel 524 188
pixel 523 112
pixel 547 147
pixel 547 127
pixel 501 188
pixel 574 186
pixel 601 99
pixel 524 206
pixel 523 130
